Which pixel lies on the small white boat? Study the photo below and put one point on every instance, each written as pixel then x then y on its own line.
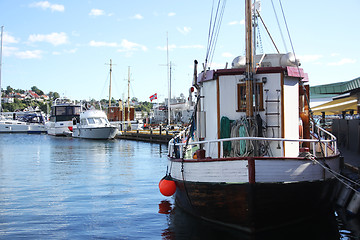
pixel 22 122
pixel 94 125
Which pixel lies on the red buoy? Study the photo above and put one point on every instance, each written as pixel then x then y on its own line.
pixel 167 187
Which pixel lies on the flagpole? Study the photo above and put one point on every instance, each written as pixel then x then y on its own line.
pixel 168 75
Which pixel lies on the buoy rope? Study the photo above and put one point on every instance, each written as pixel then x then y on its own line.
pixel 303 87
pixel 343 179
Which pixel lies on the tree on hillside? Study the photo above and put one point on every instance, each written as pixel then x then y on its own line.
pixel 53 95
pixel 36 90
pixel 9 90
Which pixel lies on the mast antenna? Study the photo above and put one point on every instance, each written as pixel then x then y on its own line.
pixel 1 47
pixel 110 83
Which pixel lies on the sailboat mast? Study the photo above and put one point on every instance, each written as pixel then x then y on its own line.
pixel 169 77
pixel 249 59
pixel 1 45
pixel 128 102
pixel 110 85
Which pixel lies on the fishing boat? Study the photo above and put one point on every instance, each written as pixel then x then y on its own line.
pixel 63 112
pixel 252 159
pixel 94 125
pixel 31 122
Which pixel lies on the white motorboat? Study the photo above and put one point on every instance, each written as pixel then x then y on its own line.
pixel 63 112
pixel 22 122
pixel 94 125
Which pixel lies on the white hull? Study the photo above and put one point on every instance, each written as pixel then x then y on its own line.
pixel 267 170
pixel 95 132
pixel 59 128
pixel 21 127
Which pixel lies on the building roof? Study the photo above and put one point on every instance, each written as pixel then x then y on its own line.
pixel 336 88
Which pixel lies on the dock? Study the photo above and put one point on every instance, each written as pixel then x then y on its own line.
pixel 154 136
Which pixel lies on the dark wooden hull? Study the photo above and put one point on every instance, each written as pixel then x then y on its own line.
pixel 253 207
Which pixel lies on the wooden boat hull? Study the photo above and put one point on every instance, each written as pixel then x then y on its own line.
pixel 253 206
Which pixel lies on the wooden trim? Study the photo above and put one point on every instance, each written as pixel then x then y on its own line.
pixel 247 158
pixel 259 87
pixel 282 111
pixel 218 112
pixel 251 169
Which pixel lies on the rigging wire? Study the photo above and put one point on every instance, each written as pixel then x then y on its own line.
pixel 214 29
pixel 314 158
pixel 282 36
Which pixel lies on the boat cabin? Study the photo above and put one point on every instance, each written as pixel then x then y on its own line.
pixel 277 102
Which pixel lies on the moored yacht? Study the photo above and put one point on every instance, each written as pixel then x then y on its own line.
pixel 22 122
pixel 63 112
pixel 94 125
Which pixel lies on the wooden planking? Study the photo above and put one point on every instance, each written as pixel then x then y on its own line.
pixel 236 171
pixel 215 171
pixel 292 170
pixel 254 207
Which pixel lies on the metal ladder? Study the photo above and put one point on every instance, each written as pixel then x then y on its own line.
pixel 274 114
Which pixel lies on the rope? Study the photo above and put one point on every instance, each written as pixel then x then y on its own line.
pixel 338 176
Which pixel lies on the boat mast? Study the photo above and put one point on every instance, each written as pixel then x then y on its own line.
pixel 110 86
pixel 169 77
pixel 1 45
pixel 249 60
pixel 128 102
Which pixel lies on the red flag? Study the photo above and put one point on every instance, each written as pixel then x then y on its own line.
pixel 152 97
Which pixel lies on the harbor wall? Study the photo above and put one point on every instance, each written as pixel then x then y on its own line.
pixel 347 131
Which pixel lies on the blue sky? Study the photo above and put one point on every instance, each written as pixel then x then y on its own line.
pixel 65 46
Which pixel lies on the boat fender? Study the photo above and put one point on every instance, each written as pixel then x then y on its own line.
pixel 167 186
pixel 301 129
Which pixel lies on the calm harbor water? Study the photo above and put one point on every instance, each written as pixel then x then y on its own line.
pixel 65 188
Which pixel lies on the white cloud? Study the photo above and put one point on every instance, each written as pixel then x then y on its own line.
pixel 53 38
pixel 217 65
pixel 9 39
pixel 184 30
pixel 93 43
pixel 13 51
pixel 242 22
pixel 137 16
pixel 171 14
pixel 227 55
pixel 37 54
pixel 127 46
pixel 96 12
pixel 170 47
pixel 343 62
pixel 309 58
pixel 47 5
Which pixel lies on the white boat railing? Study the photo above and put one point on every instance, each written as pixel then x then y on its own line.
pixel 325 143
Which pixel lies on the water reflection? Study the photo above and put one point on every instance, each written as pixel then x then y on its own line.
pixel 185 226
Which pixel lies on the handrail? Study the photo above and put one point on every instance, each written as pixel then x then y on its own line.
pixel 322 138
pixel 327 143
pixel 254 138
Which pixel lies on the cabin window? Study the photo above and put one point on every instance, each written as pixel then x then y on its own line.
pixel 91 121
pixel 258 102
pixel 83 122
